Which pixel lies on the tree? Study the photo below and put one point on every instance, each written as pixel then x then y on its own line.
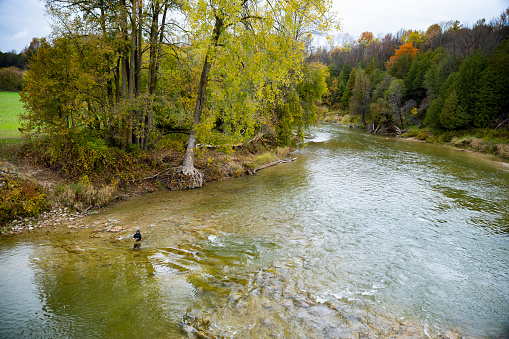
pixel 359 102
pixel 442 66
pixel 404 49
pixel 414 37
pixel 11 79
pixel 115 27
pixel 433 35
pixel 366 36
pixel 399 64
pixel 467 85
pixel 414 79
pixel 434 111
pixel 453 116
pixel 382 86
pixel 492 108
pixel 57 90
pixel 381 113
pixel 270 50
pixel 300 108
pixel 393 95
pixel 345 100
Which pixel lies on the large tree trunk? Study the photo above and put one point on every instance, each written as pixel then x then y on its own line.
pixel 132 70
pixel 187 175
pixel 152 71
pixel 188 163
pixel 124 63
pixel 138 63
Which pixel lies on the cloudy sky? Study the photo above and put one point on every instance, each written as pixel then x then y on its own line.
pixel 21 20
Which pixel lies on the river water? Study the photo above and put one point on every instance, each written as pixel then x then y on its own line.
pixel 362 236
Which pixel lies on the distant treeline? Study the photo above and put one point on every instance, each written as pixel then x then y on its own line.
pixel 449 77
pixel 13 64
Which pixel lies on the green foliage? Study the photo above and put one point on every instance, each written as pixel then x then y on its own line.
pixel 393 95
pixel 455 102
pixel 20 198
pixel 345 100
pixel 11 79
pixel 300 108
pixel 60 89
pixel 381 112
pixel 173 141
pixel 493 100
pixel 400 68
pixel 442 66
pixel 467 83
pixel 77 155
pixel 435 109
pixel 382 86
pixel 359 101
pixel 414 79
pixel 345 72
pixel 376 77
pixel 452 115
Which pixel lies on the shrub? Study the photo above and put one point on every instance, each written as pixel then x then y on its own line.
pixel 20 198
pixel 503 150
pixel 83 194
pixel 77 155
pixel 11 79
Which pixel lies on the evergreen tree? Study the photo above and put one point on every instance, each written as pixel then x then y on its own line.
pixel 345 72
pixel 432 117
pixel 442 66
pixel 492 109
pixel 467 84
pixel 414 80
pixel 453 115
pixel 345 100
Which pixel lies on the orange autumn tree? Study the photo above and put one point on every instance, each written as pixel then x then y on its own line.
pixel 367 36
pixel 407 48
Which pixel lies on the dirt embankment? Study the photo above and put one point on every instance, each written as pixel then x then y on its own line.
pixel 69 200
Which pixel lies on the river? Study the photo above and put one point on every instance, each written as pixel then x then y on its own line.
pixel 362 236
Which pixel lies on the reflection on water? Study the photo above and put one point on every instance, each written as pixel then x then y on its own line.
pixel 361 236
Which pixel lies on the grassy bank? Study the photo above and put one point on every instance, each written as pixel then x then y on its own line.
pixel 10 109
pixel 491 141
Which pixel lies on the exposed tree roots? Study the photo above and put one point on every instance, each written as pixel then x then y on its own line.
pixel 181 177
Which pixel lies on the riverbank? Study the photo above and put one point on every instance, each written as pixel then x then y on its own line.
pixel 68 199
pixel 488 141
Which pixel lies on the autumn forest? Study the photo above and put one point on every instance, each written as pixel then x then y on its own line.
pixel 449 77
pixel 123 89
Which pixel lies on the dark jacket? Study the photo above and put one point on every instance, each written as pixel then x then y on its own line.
pixel 137 235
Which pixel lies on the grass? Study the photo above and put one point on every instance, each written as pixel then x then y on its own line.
pixel 10 109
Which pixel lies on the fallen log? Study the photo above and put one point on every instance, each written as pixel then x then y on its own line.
pixel 277 162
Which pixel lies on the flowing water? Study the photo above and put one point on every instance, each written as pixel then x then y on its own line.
pixel 362 236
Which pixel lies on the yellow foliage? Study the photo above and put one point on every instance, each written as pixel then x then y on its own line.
pixel 20 198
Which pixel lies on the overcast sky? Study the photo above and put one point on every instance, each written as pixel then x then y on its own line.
pixel 21 20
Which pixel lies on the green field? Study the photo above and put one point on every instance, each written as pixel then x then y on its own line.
pixel 10 109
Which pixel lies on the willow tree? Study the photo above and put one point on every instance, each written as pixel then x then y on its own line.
pixel 252 51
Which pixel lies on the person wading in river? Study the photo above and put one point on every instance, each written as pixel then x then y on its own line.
pixel 137 239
